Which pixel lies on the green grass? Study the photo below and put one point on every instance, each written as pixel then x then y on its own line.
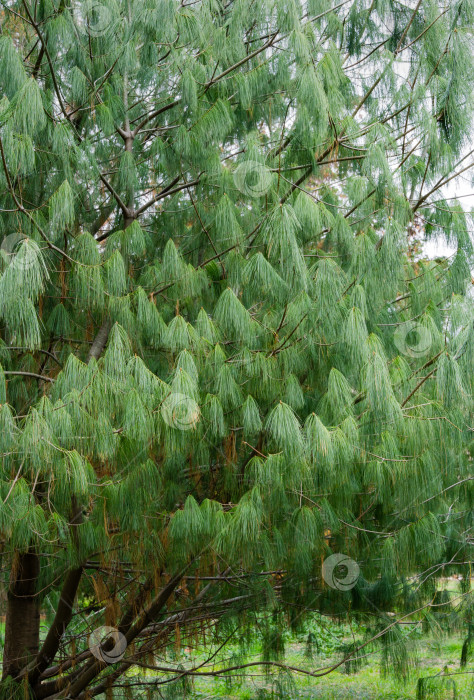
pixel 368 683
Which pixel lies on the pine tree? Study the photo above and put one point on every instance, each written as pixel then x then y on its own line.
pixel 224 357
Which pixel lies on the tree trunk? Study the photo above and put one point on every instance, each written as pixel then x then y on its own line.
pixel 23 614
pixel 100 341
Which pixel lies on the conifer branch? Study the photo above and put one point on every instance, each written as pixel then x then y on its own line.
pixel 207 234
pixel 19 373
pixel 420 384
pixel 179 617
pixel 165 193
pixel 444 181
pixel 67 115
pixel 95 667
pixel 25 211
pixel 45 352
pixel 213 80
pixel 407 27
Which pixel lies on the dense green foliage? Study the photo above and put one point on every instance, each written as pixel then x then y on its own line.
pixel 223 354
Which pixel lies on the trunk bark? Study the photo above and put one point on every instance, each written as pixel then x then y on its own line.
pixel 22 615
pixel 127 221
pixel 23 610
pixel 100 341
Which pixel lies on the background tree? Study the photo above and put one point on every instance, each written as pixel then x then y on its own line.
pixel 214 377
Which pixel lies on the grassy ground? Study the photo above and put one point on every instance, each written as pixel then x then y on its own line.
pixel 368 683
pixel 434 664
